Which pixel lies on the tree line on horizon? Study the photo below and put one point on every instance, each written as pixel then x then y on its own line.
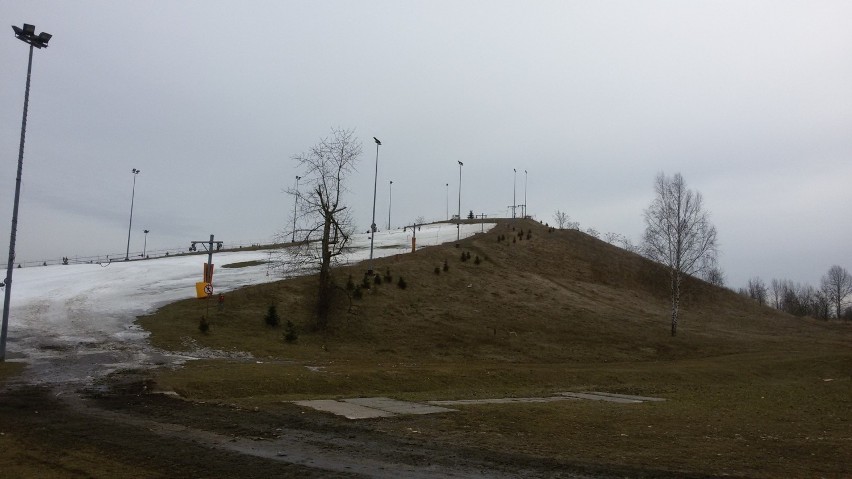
pixel 679 235
pixel 827 301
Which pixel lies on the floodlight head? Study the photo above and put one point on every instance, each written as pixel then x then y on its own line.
pixel 134 171
pixel 461 164
pixel 29 29
pixel 298 178
pixel 377 141
pixel 44 37
pixel 147 231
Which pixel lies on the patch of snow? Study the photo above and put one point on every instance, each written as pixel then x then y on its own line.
pixel 76 322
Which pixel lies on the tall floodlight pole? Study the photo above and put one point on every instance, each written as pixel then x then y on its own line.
pixel 448 203
pixel 132 196
pixel 145 244
pixel 458 223
pixel 390 202
pixel 525 194
pixel 373 225
pixel 295 204
pixel 26 35
pixel 514 189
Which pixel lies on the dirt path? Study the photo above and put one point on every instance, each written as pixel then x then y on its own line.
pixel 166 437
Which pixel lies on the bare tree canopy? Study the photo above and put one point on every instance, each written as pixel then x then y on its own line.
pixel 678 234
pixel 757 290
pixel 715 276
pixel 561 219
pixel 323 223
pixel 837 285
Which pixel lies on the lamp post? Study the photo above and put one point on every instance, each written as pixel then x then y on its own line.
pixel 132 196
pixel 525 195
pixel 447 212
pixel 514 182
pixel 295 204
pixel 145 244
pixel 458 224
pixel 373 225
pixel 390 202
pixel 26 35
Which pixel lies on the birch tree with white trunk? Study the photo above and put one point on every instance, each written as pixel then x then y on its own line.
pixel 678 234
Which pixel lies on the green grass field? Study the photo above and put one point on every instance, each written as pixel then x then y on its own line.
pixel 750 391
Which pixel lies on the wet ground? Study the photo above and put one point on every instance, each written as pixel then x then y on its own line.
pixel 159 436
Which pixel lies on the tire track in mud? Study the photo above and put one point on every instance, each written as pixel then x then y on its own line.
pixel 337 449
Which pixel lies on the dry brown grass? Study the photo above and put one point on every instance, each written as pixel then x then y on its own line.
pixel 561 311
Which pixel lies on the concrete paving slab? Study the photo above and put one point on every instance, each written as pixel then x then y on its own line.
pixel 597 397
pixel 628 396
pixel 396 406
pixel 462 402
pixel 345 409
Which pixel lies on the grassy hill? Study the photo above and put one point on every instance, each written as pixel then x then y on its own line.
pixel 750 391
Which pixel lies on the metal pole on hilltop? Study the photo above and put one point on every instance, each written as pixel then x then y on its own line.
pixel 458 223
pixel 295 204
pixel 514 182
pixel 132 196
pixel 373 225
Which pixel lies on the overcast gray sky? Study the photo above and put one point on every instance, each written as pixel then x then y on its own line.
pixel 751 101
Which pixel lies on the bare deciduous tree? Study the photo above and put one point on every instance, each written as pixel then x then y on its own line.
pixel 678 234
pixel 777 292
pixel 837 285
pixel 324 225
pixel 627 244
pixel 612 238
pixel 561 219
pixel 757 290
pixel 715 276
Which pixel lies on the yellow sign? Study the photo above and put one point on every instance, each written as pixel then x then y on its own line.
pixel 203 290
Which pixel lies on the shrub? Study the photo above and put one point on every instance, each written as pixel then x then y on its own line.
pixel 377 279
pixel 357 293
pixel 401 283
pixel 437 270
pixel 272 319
pixel 446 266
pixel 365 283
pixel 203 325
pixel 350 285
pixel 388 277
pixel 290 333
pixel 476 260
pixel 464 256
